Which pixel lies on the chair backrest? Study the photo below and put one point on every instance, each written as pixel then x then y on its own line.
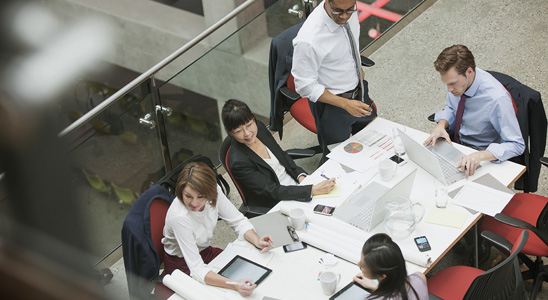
pixel 158 211
pixel 503 281
pixel 224 150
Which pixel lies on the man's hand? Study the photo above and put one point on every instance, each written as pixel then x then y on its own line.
pixel 439 131
pixel 470 162
pixel 357 108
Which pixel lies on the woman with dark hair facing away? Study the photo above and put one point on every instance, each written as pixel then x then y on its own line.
pixel 190 221
pixel 264 172
pixel 383 261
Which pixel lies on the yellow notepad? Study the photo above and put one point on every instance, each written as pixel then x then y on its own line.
pixel 446 217
pixel 335 192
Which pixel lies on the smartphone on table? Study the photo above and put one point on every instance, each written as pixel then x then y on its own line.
pixel 397 159
pixel 324 210
pixel 294 247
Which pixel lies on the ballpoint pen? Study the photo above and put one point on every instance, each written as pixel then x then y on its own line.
pixel 323 175
pixel 238 283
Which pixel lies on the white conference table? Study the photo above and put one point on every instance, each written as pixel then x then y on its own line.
pixel 295 275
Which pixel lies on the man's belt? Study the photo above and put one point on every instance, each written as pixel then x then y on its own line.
pixel 352 94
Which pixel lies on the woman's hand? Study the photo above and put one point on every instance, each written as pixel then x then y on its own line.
pixel 246 288
pixel 323 187
pixel 265 243
pixel 365 282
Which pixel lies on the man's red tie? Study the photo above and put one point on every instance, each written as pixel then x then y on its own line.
pixel 458 121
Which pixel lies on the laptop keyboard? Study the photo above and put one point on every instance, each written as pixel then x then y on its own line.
pixel 449 171
pixel 363 219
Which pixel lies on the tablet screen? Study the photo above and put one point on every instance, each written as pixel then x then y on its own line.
pixel 241 268
pixel 351 291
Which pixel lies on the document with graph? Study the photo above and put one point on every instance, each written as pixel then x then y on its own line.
pixel 363 151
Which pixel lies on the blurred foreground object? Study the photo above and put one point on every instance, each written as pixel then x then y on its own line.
pixel 43 250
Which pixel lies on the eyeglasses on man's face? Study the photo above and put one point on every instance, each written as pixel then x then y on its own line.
pixel 339 11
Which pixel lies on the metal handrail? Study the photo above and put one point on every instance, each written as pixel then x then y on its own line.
pixel 150 72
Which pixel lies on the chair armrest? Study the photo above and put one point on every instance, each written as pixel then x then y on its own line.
pixel 502 244
pixel 300 153
pixel 366 62
pixel 289 93
pixel 251 211
pixel 433 297
pixel 522 224
pixel 544 161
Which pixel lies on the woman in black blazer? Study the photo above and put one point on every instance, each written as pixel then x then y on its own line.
pixel 261 184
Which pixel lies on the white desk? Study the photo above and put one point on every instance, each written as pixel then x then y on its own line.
pixel 295 274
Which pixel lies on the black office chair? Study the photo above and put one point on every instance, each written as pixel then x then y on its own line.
pixel 500 282
pixel 533 125
pixel 249 211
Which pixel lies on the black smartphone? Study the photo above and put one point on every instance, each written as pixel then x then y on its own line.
pixel 397 159
pixel 422 243
pixel 324 210
pixel 294 247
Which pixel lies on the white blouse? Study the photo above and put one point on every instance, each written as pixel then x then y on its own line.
pixel 187 232
pixel 279 169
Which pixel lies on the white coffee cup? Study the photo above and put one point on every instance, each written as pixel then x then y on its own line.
pixel 297 219
pixel 387 168
pixel 329 281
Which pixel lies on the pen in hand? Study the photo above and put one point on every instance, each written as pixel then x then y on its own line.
pixel 323 175
pixel 238 283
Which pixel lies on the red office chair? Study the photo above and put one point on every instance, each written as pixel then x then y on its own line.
pixel 158 211
pixel 521 212
pixel 500 282
pixel 248 210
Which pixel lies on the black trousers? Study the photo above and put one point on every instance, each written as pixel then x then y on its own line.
pixel 334 124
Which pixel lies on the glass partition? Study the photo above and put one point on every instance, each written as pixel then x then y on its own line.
pixel 236 68
pixel 114 160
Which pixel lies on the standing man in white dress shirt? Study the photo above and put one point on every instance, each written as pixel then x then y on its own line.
pixel 325 72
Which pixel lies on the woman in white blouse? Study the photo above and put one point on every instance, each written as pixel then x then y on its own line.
pixel 189 226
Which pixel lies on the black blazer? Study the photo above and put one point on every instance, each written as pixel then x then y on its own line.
pixel 257 179
pixel 279 68
pixel 140 258
pixel 532 122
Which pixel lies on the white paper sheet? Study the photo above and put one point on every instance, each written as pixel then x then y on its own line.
pixel 189 288
pixel 482 198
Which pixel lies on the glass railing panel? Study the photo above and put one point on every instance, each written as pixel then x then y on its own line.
pixel 112 164
pixel 385 19
pixel 236 68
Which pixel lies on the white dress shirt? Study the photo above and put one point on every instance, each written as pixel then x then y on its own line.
pixel 187 232
pixel 322 57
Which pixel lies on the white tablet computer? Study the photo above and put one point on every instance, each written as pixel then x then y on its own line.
pixel 242 268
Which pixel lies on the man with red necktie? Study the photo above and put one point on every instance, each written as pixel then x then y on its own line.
pixel 478 110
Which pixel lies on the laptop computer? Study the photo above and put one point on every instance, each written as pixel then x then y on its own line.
pixel 440 160
pixel 366 209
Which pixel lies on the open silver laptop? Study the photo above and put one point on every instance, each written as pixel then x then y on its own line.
pixel 366 209
pixel 440 160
